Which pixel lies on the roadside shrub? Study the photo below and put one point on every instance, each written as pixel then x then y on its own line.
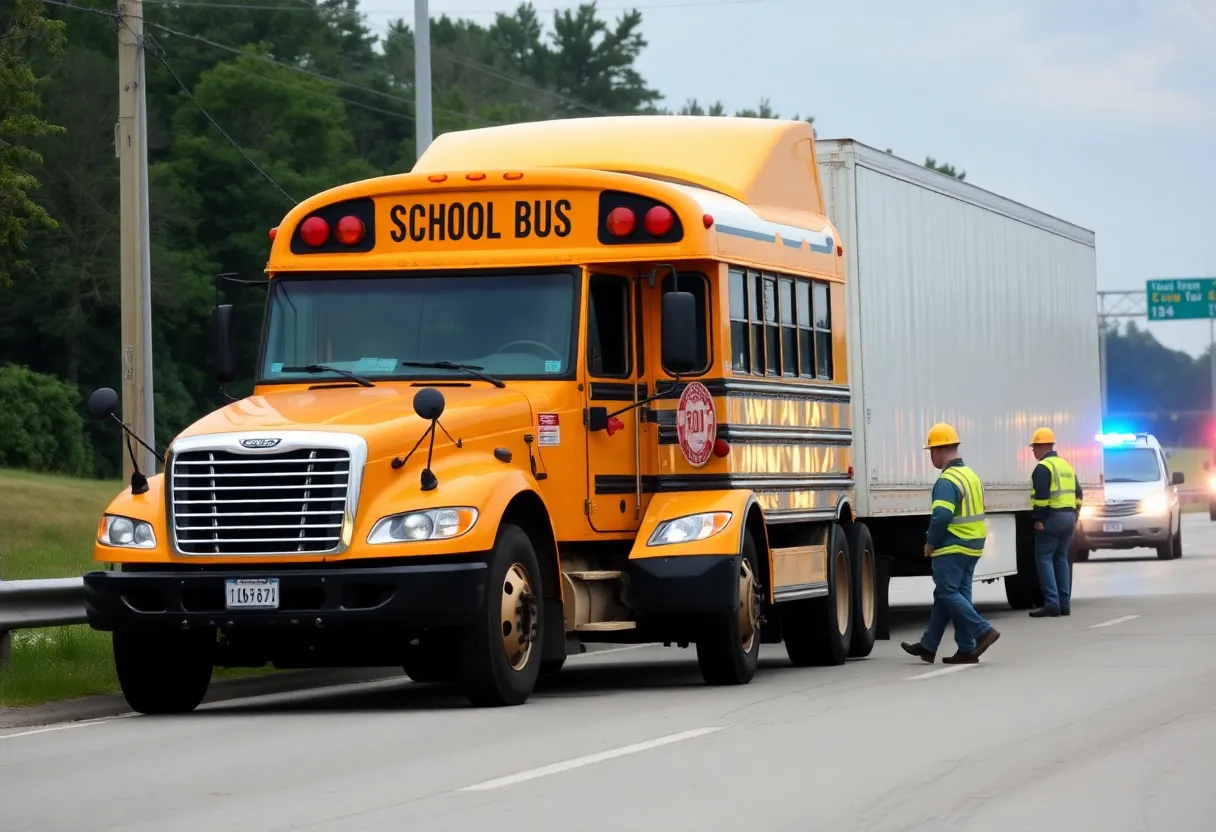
pixel 41 426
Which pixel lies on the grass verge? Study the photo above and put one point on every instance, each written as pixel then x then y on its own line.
pixel 47 527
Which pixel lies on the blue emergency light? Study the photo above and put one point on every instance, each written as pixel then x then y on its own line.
pixel 1109 439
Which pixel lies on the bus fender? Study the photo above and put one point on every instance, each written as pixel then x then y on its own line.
pixel 697 577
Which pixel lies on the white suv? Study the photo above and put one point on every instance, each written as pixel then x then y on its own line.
pixel 1141 500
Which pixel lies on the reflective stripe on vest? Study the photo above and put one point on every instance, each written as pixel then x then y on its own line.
pixel 968 521
pixel 1062 493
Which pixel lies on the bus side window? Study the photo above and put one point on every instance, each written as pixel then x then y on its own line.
pixel 698 286
pixel 608 329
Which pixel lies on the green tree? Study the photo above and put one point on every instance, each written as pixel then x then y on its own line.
pixel 947 169
pixel 24 32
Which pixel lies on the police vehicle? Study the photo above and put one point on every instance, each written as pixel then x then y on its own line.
pixel 1141 507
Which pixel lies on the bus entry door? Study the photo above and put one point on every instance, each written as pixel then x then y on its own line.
pixel 615 379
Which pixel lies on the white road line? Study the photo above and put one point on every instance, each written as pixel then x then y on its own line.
pixel 1113 621
pixel 579 762
pixel 943 671
pixel 50 728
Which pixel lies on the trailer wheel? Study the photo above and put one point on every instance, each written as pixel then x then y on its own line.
pixel 728 646
pixel 163 672
pixel 501 654
pixel 818 631
pixel 864 569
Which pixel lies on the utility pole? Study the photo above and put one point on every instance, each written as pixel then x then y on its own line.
pixel 132 139
pixel 423 130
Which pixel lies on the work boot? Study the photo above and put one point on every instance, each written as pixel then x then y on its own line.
pixel 961 658
pixel 1065 611
pixel 919 651
pixel 985 641
pixel 1045 612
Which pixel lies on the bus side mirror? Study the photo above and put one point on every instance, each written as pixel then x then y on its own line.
pixel 679 351
pixel 1178 478
pixel 223 348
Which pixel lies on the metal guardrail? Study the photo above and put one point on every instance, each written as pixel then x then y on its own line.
pixel 25 605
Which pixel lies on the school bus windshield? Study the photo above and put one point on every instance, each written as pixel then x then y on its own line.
pixel 519 325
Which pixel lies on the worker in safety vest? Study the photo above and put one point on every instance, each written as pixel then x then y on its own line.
pixel 954 544
pixel 1055 495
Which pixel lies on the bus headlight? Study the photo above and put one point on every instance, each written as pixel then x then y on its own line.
pixel 1088 512
pixel 432 524
pixel 689 528
pixel 1154 504
pixel 125 533
pixel 1212 483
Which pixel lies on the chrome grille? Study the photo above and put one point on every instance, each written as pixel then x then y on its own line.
pixel 290 502
pixel 1123 508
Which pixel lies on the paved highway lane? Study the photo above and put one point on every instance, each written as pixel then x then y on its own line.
pixel 1105 719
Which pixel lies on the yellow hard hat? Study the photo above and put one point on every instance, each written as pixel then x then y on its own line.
pixel 941 434
pixel 1043 436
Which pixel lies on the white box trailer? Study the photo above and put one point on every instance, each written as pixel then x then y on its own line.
pixel 969 308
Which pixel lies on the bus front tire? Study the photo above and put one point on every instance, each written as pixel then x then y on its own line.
pixel 819 631
pixel 163 672
pixel 502 650
pixel 728 647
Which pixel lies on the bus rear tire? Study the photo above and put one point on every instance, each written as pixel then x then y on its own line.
pixel 728 646
pixel 497 668
pixel 163 672
pixel 864 569
pixel 819 631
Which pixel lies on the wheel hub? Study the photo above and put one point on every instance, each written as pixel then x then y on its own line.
pixel 518 619
pixel 749 606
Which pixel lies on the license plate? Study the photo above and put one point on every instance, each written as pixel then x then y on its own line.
pixel 1112 528
pixel 253 593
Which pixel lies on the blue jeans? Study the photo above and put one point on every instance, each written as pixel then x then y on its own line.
pixel 952 602
pixel 1051 554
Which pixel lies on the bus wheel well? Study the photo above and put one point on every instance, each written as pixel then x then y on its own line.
pixel 845 513
pixel 527 511
pixel 755 524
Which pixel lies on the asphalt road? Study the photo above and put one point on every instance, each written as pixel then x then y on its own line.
pixel 1103 720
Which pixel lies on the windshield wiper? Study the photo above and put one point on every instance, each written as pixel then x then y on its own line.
pixel 471 369
pixel 325 368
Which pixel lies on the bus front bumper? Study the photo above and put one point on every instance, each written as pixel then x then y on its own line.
pixel 423 595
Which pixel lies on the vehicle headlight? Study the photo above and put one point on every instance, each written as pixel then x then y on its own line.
pixel 689 528
pixel 126 533
pixel 1087 512
pixel 1154 504
pixel 1212 482
pixel 432 524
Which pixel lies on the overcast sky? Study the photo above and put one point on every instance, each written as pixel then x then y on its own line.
pixel 1102 112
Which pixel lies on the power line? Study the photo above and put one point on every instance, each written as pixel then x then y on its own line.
pixel 152 48
pixel 685 4
pixel 1203 12
pixel 313 73
pixel 67 5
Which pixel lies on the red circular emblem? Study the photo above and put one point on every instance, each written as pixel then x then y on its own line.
pixel 696 424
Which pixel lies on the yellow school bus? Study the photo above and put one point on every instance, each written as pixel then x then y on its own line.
pixel 565 382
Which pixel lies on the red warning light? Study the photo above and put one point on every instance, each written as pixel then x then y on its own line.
pixel 314 231
pixel 659 220
pixel 621 222
pixel 614 424
pixel 351 231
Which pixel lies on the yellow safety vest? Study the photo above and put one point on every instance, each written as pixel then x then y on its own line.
pixel 968 524
pixel 1063 492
